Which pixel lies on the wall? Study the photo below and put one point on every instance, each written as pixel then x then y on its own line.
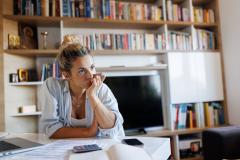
pixel 230 22
pixel 1 71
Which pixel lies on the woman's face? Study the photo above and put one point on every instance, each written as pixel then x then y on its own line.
pixel 82 72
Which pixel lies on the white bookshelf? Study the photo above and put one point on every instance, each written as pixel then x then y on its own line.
pixel 27 114
pixel 137 68
pixel 37 83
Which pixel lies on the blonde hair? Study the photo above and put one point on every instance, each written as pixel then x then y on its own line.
pixel 69 52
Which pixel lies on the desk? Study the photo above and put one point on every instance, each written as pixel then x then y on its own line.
pixel 157 148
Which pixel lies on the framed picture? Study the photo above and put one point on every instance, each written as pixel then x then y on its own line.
pixel 28 36
pixel 22 75
pixel 13 41
pixel 195 147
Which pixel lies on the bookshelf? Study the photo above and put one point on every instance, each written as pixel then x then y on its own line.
pixel 26 83
pixel 27 114
pixel 118 60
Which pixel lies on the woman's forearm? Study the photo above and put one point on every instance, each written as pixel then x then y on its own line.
pixel 105 117
pixel 68 132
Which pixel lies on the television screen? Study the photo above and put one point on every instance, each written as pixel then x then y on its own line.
pixel 139 100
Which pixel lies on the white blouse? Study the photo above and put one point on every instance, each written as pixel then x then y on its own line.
pixel 56 107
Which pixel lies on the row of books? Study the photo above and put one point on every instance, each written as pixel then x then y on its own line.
pixel 205 39
pixel 27 7
pixel 37 7
pixel 179 40
pixel 175 12
pixel 50 70
pixel 214 114
pixel 198 115
pixel 203 15
pixel 130 41
pixel 111 9
pixel 102 9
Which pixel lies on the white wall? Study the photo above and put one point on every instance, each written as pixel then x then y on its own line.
pixel 230 26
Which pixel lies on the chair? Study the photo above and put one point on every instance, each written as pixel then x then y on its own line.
pixel 221 143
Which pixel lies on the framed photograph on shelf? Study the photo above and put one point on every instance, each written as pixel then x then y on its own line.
pixel 28 36
pixel 23 75
pixel 13 41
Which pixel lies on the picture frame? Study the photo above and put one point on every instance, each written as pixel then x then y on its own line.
pixel 23 75
pixel 195 147
pixel 28 36
pixel 13 41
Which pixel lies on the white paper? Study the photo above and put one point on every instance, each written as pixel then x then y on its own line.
pixel 59 150
pixel 3 135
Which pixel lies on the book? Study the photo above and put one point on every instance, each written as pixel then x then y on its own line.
pixel 115 152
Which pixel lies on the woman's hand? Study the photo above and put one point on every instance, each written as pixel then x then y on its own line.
pixel 97 81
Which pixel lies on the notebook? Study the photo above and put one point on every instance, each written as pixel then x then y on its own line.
pixel 11 146
pixel 115 152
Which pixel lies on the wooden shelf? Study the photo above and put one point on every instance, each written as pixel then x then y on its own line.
pixel 27 114
pixel 200 2
pixel 178 24
pixel 86 22
pixel 129 52
pixel 215 50
pixel 140 1
pixel 193 158
pixel 122 68
pixel 158 133
pixel 33 52
pixel 26 83
pixel 54 52
pixel 189 131
pixel 36 20
pixel 194 130
pixel 178 1
pixel 212 51
pixel 205 25
pixel 104 23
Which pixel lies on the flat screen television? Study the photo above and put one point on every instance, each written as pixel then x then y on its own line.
pixel 139 100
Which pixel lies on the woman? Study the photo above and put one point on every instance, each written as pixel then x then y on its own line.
pixel 81 105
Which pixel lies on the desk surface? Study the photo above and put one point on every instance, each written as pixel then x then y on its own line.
pixel 157 148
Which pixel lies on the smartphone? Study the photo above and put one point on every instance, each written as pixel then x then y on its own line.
pixel 132 142
pixel 86 148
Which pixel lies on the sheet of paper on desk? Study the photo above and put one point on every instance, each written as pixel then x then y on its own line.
pixel 3 135
pixel 59 150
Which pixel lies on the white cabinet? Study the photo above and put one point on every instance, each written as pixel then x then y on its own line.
pixel 195 77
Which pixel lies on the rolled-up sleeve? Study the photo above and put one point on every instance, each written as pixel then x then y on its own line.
pixel 49 121
pixel 107 98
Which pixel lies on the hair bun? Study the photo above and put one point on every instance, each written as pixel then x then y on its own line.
pixel 70 39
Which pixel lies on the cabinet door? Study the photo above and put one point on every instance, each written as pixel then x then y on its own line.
pixel 209 71
pixel 194 77
pixel 182 77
